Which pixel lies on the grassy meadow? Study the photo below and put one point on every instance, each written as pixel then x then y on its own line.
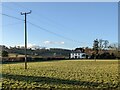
pixel 62 74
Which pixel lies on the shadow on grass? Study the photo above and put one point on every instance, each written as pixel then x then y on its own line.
pixel 57 81
pixel 17 62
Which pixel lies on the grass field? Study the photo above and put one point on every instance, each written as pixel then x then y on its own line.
pixel 62 74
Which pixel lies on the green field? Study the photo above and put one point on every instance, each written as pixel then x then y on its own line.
pixel 62 74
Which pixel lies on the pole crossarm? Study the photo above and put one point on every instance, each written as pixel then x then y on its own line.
pixel 23 13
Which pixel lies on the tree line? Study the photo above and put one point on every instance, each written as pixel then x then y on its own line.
pixel 101 50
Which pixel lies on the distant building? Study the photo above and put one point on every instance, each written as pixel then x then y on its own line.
pixel 77 55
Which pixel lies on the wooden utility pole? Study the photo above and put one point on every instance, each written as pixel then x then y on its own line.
pixel 25 13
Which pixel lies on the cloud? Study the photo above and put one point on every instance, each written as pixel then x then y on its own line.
pixel 48 42
pixel 51 42
pixel 33 46
pixel 28 45
pixel 62 42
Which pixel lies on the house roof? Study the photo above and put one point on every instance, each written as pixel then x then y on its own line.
pixel 75 51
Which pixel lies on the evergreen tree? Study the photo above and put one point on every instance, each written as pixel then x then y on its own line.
pixel 96 47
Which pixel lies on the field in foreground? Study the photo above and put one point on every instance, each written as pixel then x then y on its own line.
pixel 62 74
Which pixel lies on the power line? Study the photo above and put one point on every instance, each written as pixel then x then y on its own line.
pixel 35 25
pixel 37 14
pixel 59 35
pixel 11 16
pixel 20 5
pixel 11 24
pixel 50 21
pixel 41 28
pixel 10 8
pixel 34 18
pixel 54 33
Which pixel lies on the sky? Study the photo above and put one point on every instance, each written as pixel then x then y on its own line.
pixel 64 24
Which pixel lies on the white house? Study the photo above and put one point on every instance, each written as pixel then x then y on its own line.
pixel 77 55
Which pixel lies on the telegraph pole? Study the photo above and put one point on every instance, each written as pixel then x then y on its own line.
pixel 25 13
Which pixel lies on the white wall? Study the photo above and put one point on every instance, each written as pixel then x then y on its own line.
pixel 78 55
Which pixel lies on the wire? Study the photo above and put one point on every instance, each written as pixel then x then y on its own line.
pixel 48 30
pixel 34 18
pixel 37 14
pixel 23 7
pixel 36 26
pixel 41 28
pixel 44 28
pixel 12 16
pixel 10 8
pixel 10 24
pixel 54 33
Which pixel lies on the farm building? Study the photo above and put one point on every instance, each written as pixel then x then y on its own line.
pixel 77 55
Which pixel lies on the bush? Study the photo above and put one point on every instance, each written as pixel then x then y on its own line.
pixel 104 55
pixel 4 54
